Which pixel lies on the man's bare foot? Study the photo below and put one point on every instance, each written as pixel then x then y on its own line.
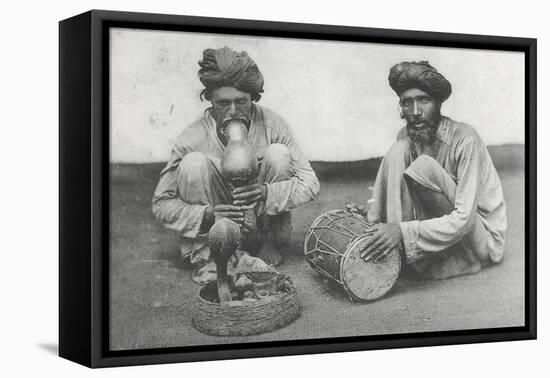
pixel 270 254
pixel 452 266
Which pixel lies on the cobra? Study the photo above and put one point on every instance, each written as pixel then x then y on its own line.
pixel 223 240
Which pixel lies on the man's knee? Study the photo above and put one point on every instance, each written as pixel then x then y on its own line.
pixel 422 164
pixel 432 189
pixel 193 166
pixel 277 156
pixel 421 172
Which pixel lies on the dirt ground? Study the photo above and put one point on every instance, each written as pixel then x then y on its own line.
pixel 152 293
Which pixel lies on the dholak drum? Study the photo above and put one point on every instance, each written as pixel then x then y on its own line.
pixel 332 246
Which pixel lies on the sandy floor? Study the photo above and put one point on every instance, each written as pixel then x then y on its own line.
pixel 152 294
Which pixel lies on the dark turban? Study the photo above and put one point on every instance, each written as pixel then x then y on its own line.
pixel 225 67
pixel 421 75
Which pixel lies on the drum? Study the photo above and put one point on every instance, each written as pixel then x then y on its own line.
pixel 332 247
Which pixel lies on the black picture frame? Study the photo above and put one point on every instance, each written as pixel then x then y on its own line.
pixel 84 187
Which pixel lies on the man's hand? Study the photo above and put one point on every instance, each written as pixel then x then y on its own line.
pixel 383 238
pixel 249 194
pixel 213 213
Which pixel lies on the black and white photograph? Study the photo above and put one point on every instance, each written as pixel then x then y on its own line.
pixel 275 189
pixel 278 189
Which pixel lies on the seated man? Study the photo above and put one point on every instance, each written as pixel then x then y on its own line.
pixel 191 192
pixel 437 195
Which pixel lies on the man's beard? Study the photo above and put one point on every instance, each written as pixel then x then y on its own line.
pixel 425 134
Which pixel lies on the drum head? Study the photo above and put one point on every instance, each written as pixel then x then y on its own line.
pixel 368 280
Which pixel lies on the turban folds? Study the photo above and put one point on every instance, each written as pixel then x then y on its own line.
pixel 421 75
pixel 225 67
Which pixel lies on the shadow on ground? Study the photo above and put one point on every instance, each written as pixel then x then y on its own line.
pixel 152 294
pixel 50 348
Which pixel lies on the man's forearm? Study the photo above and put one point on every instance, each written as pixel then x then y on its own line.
pixel 180 216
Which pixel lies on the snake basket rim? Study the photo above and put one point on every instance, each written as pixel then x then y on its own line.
pixel 250 318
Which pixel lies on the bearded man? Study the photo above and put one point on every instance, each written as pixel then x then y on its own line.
pixel 437 196
pixel 191 192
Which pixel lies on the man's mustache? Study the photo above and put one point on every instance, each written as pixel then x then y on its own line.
pixel 242 119
pixel 425 122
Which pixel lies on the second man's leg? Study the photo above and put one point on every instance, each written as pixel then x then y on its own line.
pixel 433 192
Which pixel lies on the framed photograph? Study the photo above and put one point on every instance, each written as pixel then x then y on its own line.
pixel 235 188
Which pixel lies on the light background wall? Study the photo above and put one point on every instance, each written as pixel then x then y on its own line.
pixel 334 95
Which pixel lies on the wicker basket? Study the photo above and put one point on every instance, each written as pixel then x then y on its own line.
pixel 247 318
